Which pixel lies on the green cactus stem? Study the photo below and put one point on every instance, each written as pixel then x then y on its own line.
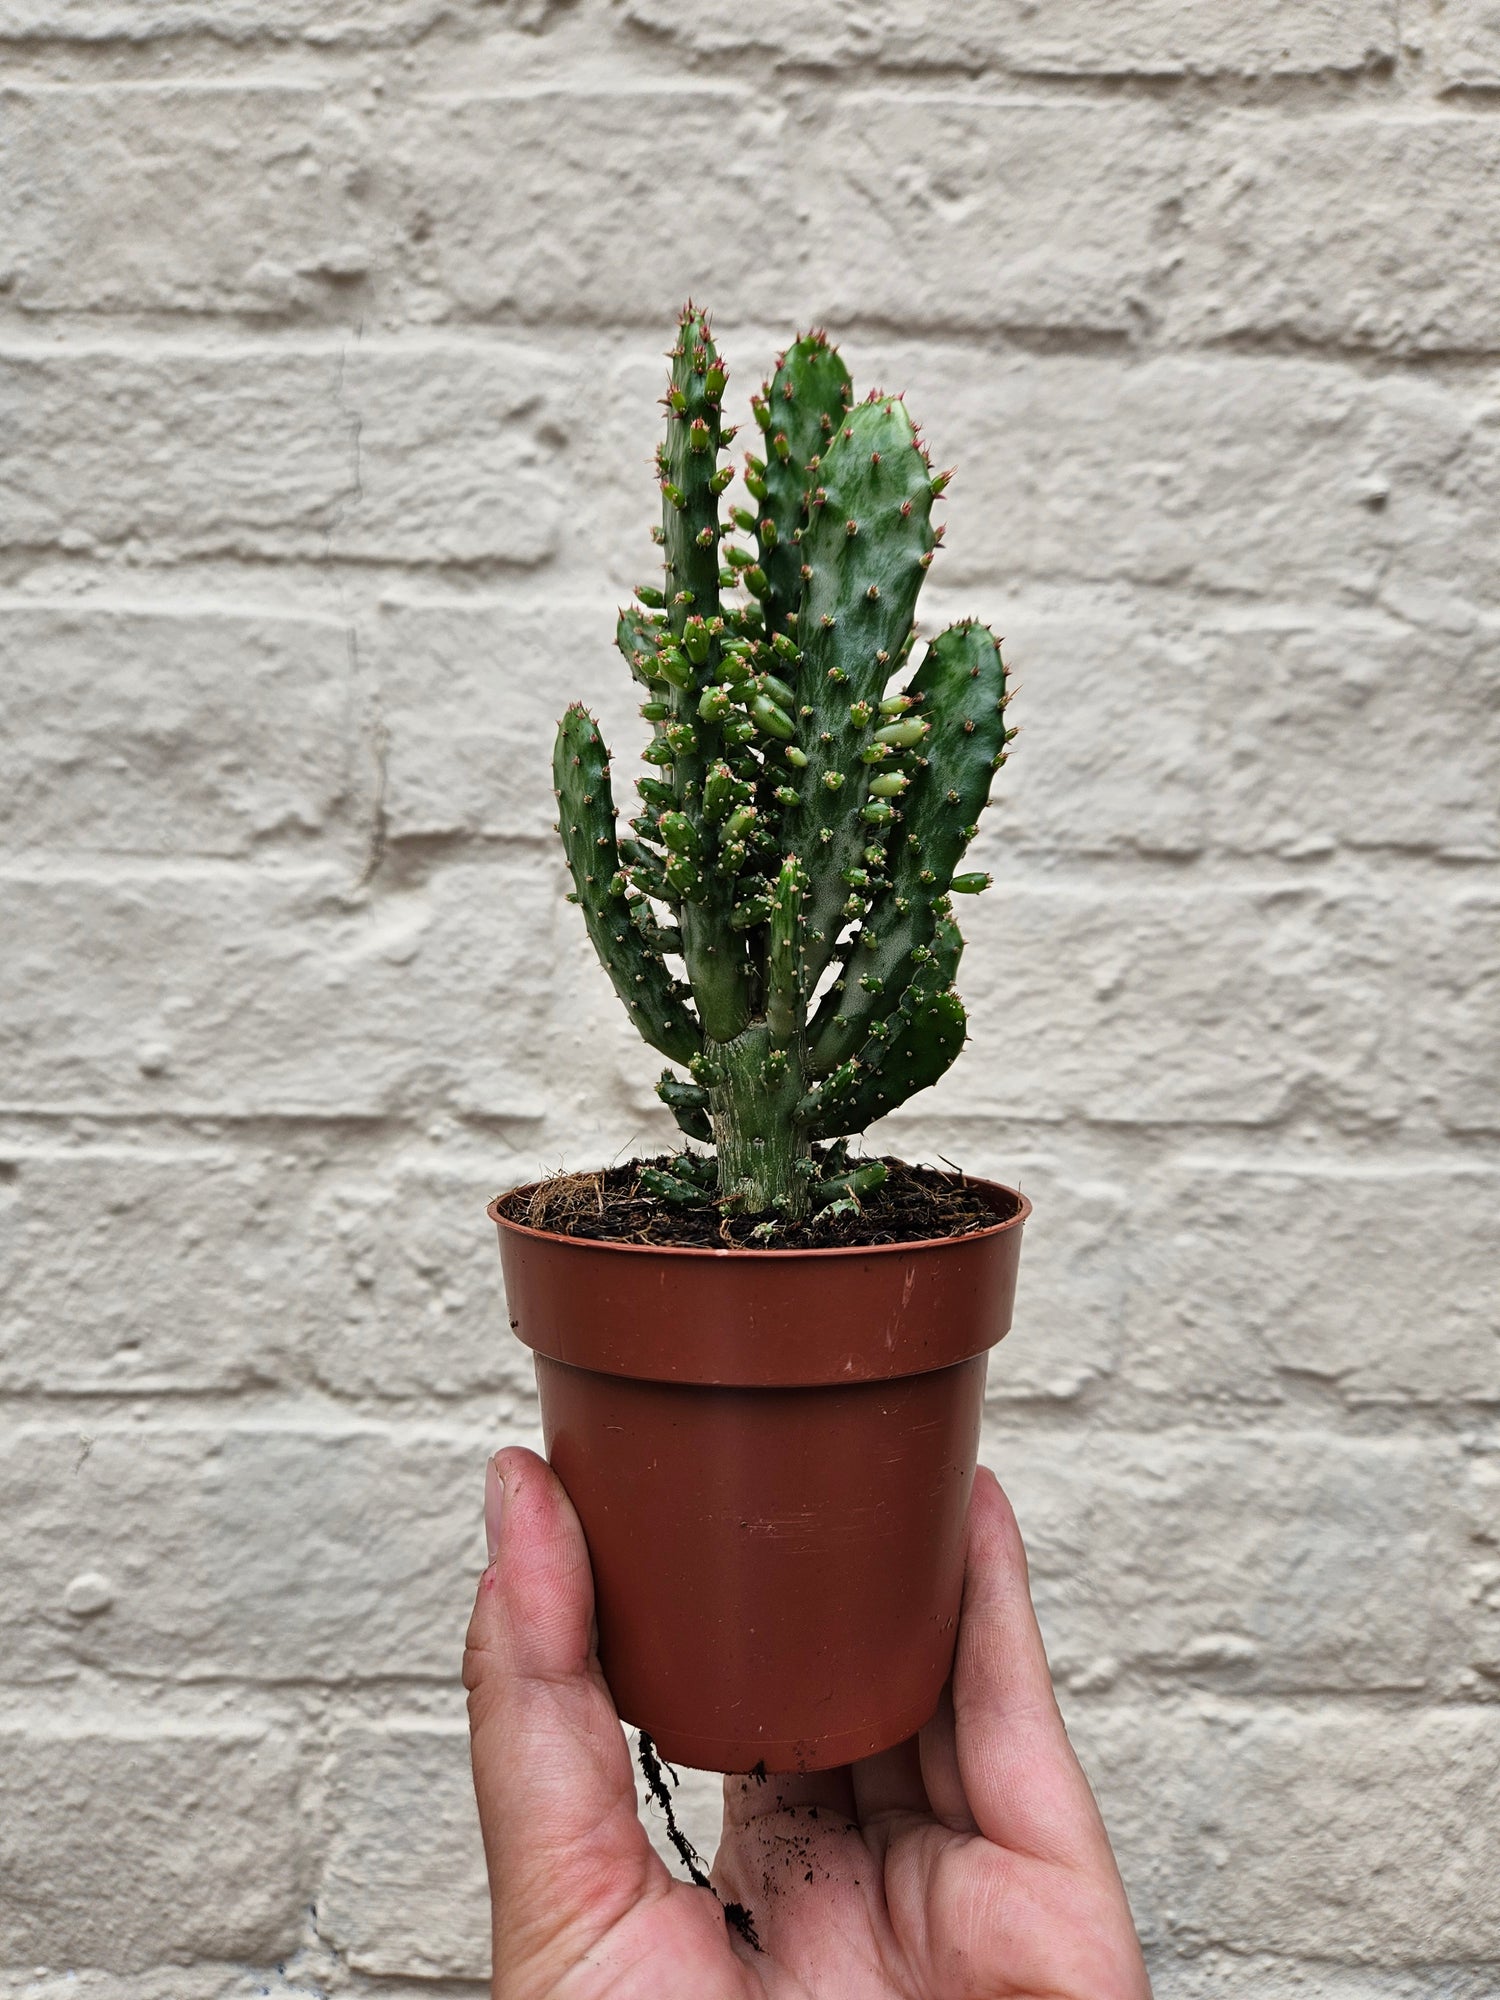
pixel 763 1148
pixel 717 961
pixel 799 409
pixel 809 798
pixel 959 692
pixel 915 1045
pixel 586 820
pixel 676 1188
pixel 688 1104
pixel 785 968
pixel 867 534
pixel 845 1189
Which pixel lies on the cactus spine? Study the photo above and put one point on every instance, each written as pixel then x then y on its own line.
pixel 809 799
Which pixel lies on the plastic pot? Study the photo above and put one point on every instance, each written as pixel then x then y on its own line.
pixel 771 1453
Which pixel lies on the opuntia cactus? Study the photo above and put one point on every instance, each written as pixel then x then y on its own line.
pixel 810 797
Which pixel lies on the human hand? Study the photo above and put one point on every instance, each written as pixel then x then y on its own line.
pixel 969 1863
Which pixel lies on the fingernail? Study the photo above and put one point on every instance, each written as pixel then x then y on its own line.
pixel 494 1502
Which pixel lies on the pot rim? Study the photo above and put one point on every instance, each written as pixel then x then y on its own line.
pixel 765 1256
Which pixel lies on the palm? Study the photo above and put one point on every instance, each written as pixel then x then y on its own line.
pixel 969 1861
pixel 857 1890
pixel 898 1903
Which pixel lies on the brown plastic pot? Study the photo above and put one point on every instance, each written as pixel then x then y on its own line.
pixel 771 1453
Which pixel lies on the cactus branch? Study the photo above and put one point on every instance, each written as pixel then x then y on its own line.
pixel 805 401
pixel 847 1188
pixel 784 988
pixel 920 1041
pixel 688 1104
pixel 673 1187
pixel 717 964
pixel 862 553
pixel 586 820
pixel 959 691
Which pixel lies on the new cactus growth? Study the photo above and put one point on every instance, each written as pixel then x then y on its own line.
pixel 809 798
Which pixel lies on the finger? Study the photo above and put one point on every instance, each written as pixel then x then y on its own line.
pixel 1020 1777
pixel 941 1778
pixel 888 1786
pixel 552 1773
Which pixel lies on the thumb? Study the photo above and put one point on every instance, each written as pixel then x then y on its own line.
pixel 566 1852
pixel 1023 1783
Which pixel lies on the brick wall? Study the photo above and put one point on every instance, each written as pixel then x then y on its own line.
pixel 329 339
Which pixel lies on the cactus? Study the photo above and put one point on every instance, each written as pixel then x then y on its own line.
pixel 809 798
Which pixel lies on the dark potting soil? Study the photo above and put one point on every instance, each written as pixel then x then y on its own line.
pixel 912 1205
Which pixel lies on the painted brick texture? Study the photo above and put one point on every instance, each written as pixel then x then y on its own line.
pixel 1138 37
pixel 329 345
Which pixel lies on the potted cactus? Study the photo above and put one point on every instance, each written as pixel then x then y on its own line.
pixel 766 1405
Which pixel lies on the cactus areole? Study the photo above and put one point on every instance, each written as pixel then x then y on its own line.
pixel 810 790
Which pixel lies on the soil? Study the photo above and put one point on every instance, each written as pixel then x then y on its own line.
pixel 913 1205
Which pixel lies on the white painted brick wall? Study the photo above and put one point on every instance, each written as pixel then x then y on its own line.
pixel 329 344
